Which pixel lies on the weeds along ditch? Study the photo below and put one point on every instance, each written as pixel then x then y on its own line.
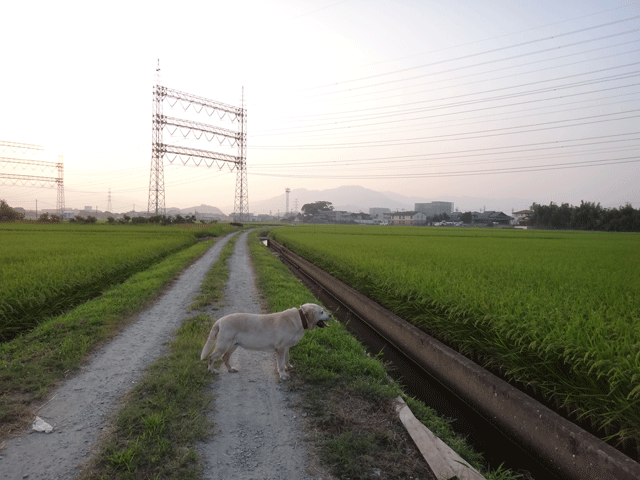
pixel 49 269
pixel 555 310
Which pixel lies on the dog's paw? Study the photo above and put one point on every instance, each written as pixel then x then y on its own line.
pixel 213 370
pixel 232 370
pixel 284 377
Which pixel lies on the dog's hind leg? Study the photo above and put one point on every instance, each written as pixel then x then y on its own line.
pixel 227 356
pixel 217 353
pixel 212 369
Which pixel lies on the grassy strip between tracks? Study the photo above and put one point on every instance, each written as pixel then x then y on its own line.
pixel 348 394
pixel 33 362
pixel 155 432
pixel 214 281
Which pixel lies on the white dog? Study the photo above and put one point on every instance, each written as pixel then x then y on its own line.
pixel 271 332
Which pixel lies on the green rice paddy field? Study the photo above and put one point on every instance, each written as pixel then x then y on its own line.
pixel 559 311
pixel 48 269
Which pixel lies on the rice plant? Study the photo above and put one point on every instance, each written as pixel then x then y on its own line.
pixel 48 269
pixel 557 310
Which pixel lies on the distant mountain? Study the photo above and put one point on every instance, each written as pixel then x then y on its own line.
pixel 354 198
pixel 351 198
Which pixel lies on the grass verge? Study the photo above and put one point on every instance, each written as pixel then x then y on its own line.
pixel 348 394
pixel 33 362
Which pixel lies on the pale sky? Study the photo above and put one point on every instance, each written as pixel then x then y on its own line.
pixel 494 99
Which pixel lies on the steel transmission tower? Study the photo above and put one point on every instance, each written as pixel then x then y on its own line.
pixel 241 204
pixel 287 191
pixel 22 154
pixel 161 150
pixel 156 177
pixel 109 207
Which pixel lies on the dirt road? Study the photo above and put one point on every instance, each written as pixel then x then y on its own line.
pixel 257 435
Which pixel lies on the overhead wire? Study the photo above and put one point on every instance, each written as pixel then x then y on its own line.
pixel 523 169
pixel 486 52
pixel 553 88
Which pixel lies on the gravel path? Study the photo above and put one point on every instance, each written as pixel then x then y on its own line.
pixel 257 432
pixel 79 409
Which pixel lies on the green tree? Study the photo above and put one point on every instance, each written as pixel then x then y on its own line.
pixel 8 214
pixel 466 217
pixel 311 209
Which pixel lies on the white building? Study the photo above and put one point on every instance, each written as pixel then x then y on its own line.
pixel 408 218
pixel 432 209
pixel 379 215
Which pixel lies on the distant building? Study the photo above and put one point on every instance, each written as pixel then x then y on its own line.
pixel 380 215
pixel 492 218
pixel 432 209
pixel 408 218
pixel 522 217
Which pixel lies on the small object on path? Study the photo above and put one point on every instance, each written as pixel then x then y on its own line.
pixel 39 425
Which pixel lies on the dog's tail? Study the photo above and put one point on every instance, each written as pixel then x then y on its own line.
pixel 210 341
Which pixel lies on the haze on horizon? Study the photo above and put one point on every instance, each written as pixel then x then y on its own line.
pixel 495 99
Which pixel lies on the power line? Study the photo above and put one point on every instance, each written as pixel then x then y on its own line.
pixel 486 52
pixel 523 169
pixel 476 152
pixel 435 119
pixel 449 86
pixel 466 135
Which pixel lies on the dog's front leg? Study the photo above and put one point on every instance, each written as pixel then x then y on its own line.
pixel 280 360
pixel 287 365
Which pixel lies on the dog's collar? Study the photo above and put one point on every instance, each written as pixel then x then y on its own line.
pixel 303 317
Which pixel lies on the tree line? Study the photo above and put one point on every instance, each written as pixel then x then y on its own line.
pixel 586 216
